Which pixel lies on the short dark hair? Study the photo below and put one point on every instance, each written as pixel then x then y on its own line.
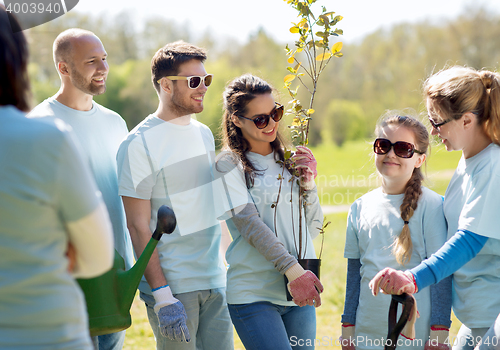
pixel 167 60
pixel 14 81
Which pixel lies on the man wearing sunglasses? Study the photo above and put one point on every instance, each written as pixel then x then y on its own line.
pixel 167 160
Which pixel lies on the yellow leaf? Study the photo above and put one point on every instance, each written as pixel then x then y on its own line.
pixel 289 78
pixel 291 60
pixel 294 30
pixel 296 122
pixel 323 56
pixel 337 47
pixel 297 66
pixel 310 111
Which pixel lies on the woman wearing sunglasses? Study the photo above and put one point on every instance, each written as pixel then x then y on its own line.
pixel 464 109
pixel 398 224
pixel 262 215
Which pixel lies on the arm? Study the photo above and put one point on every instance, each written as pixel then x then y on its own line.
pixel 91 244
pixel 138 212
pixel 253 230
pixel 352 289
pixel 455 253
pixel 304 286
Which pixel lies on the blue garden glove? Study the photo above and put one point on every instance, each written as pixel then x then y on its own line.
pixel 171 315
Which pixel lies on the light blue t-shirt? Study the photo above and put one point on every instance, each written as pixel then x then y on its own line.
pixel 251 277
pixel 100 132
pixel 172 164
pixel 472 203
pixel 374 222
pixel 44 185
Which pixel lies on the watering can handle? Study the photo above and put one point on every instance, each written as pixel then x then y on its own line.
pixel 396 328
pixel 166 222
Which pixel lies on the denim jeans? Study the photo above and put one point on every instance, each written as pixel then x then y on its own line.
pixel 113 341
pixel 208 321
pixel 468 338
pixel 264 325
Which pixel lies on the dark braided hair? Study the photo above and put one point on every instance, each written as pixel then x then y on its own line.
pixel 236 97
pixel 403 246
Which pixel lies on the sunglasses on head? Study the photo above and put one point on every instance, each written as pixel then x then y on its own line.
pixel 401 149
pixel 262 120
pixel 194 81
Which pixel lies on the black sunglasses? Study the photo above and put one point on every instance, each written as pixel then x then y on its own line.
pixel 438 125
pixel 262 120
pixel 401 149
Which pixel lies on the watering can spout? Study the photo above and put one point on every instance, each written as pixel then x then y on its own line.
pixel 128 281
pixel 110 296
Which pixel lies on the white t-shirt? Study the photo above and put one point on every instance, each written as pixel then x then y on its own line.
pixel 373 224
pixel 472 203
pixel 172 164
pixel 251 277
pixel 99 132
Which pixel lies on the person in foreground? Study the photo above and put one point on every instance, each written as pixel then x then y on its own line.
pixel 167 160
pixel 81 62
pixel 262 215
pixel 54 226
pixel 464 110
pixel 406 216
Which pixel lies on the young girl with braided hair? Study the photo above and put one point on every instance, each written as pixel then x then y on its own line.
pixel 464 109
pixel 398 224
pixel 262 215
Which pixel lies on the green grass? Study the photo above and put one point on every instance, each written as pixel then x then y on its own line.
pixel 343 174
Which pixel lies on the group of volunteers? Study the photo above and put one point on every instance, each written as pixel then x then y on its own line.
pixel 75 183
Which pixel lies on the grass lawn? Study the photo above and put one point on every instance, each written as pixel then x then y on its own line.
pixel 344 174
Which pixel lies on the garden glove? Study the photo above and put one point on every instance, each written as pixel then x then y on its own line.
pixel 171 315
pixel 347 337
pixel 306 164
pixel 393 282
pixel 304 286
pixel 438 339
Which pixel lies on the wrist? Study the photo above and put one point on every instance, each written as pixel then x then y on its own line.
pixel 294 272
pixel 163 297
pixel 412 279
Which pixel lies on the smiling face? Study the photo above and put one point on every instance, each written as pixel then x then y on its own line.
pixel 396 171
pixel 88 67
pixel 448 133
pixel 259 139
pixel 184 100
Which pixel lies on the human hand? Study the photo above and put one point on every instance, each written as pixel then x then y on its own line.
pixel 347 338
pixel 393 282
pixel 304 286
pixel 306 164
pixel 438 339
pixel 171 315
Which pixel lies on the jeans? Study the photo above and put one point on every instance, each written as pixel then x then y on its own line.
pixel 113 341
pixel 264 325
pixel 208 321
pixel 468 338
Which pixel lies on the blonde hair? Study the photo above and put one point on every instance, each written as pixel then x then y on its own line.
pixel 402 247
pixel 458 90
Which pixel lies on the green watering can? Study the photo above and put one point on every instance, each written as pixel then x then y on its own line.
pixel 110 296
